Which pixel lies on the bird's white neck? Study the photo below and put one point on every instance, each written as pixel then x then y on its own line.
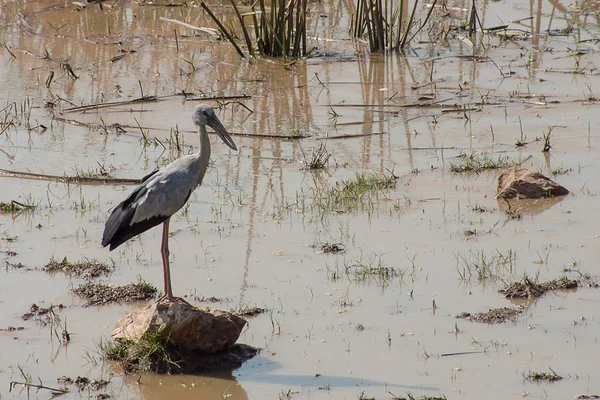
pixel 204 153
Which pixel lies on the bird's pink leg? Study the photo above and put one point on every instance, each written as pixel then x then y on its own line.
pixel 164 251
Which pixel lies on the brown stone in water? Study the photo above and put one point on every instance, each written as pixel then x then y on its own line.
pixel 204 329
pixel 520 183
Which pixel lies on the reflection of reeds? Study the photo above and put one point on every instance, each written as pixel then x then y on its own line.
pixel 279 30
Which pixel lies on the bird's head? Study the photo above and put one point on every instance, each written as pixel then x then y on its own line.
pixel 205 115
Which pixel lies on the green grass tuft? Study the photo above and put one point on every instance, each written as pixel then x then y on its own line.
pixel 98 294
pixel 355 194
pixel 15 206
pixel 474 163
pixel 86 269
pixel 150 354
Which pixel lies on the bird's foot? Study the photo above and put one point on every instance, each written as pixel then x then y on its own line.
pixel 173 299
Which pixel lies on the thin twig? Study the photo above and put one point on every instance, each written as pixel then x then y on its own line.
pixel 210 31
pixel 352 136
pixel 460 353
pixel 223 29
pixel 244 30
pixel 33 385
pixel 69 179
pixel 146 99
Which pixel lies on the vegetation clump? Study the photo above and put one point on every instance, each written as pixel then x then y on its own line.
pixel 98 294
pixel 86 269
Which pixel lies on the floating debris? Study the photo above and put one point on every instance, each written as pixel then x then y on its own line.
pixel 83 382
pixel 211 299
pixel 11 265
pixel 331 248
pixel 12 329
pixel 248 311
pixel 37 311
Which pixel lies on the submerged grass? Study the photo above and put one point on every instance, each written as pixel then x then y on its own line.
pixel 318 159
pixel 369 269
pixel 473 163
pixel 478 264
pixel 355 194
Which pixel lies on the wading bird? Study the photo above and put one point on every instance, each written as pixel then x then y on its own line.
pixel 163 192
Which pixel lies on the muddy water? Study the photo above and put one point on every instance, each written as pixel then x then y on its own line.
pixel 247 235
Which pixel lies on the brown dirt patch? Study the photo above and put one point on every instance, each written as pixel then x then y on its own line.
pixel 98 294
pixel 530 289
pixel 86 269
pixel 493 316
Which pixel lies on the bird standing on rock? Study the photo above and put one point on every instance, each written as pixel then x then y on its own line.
pixel 163 192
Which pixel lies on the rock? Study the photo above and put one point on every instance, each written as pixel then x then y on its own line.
pixel 520 183
pixel 205 329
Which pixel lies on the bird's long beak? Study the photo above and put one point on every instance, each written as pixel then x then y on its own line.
pixel 222 132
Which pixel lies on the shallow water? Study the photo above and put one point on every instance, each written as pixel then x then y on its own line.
pixel 247 235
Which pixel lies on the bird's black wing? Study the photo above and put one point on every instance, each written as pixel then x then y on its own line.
pixel 150 175
pixel 118 228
